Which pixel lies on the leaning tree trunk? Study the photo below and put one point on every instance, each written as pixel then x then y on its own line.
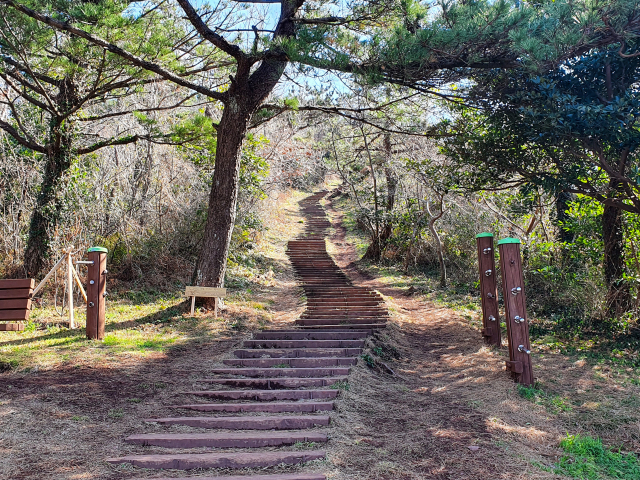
pixel 221 213
pixel 247 92
pixel 47 212
pixel 619 294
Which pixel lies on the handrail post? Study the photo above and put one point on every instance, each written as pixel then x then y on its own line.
pixel 488 289
pixel 515 307
pixel 96 292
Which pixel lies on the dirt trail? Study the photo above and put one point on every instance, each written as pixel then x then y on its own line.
pixel 448 392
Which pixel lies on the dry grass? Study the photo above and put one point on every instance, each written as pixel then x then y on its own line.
pixel 449 391
pixel 66 403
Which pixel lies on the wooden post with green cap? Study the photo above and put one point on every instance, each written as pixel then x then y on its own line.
pixel 515 307
pixel 96 292
pixel 488 289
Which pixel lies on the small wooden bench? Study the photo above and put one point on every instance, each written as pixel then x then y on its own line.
pixel 15 303
pixel 208 292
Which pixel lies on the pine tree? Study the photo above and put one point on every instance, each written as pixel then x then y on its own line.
pixel 398 41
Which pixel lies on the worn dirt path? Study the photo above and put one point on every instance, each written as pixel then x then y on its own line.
pixel 433 391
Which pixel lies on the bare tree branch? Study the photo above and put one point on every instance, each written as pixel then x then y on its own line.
pixel 204 30
pixel 21 140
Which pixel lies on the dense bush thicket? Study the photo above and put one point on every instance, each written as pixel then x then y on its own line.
pixel 395 190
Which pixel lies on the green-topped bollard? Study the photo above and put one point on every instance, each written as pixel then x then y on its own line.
pixel 96 292
pixel 515 307
pixel 488 289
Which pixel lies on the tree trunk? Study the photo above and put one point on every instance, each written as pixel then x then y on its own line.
pixel 379 242
pixel 246 95
pixel 221 213
pixel 562 216
pixel 247 92
pixel 392 188
pixel 48 209
pixel 374 252
pixel 440 251
pixel 46 214
pixel 619 294
pixel 563 235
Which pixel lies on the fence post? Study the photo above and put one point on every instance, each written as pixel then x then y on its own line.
pixel 70 269
pixel 515 307
pixel 488 289
pixel 96 292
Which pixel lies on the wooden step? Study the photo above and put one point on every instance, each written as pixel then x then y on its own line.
pixel 277 407
pixel 370 326
pixel 298 352
pixel 335 322
pixel 298 335
pixel 188 461
pixel 291 422
pixel 293 476
pixel 304 343
pixel 284 372
pixel 276 383
pixel 225 440
pixel 268 395
pixel 310 362
pixel 343 315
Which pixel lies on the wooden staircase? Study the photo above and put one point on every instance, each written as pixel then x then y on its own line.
pixel 282 383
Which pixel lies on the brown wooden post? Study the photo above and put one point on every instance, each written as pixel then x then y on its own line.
pixel 515 307
pixel 488 289
pixel 96 292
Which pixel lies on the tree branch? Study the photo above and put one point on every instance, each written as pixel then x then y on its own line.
pixel 21 140
pixel 19 66
pixel 135 60
pixel 204 30
pixel 151 109
pixel 108 143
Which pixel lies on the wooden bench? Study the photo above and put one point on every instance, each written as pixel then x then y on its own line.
pixel 208 292
pixel 15 303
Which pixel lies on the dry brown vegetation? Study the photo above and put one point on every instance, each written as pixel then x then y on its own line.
pixel 447 392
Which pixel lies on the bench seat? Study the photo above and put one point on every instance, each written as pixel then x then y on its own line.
pixel 15 303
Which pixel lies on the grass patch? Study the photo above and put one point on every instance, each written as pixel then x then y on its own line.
pixel 116 413
pixel 368 359
pixel 305 446
pixel 553 403
pixel 587 458
pixel 344 386
pixel 133 331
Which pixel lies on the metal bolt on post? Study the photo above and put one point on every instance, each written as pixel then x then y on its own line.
pixel 96 292
pixel 515 307
pixel 489 289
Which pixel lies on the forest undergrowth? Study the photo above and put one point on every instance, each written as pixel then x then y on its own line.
pixel 551 328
